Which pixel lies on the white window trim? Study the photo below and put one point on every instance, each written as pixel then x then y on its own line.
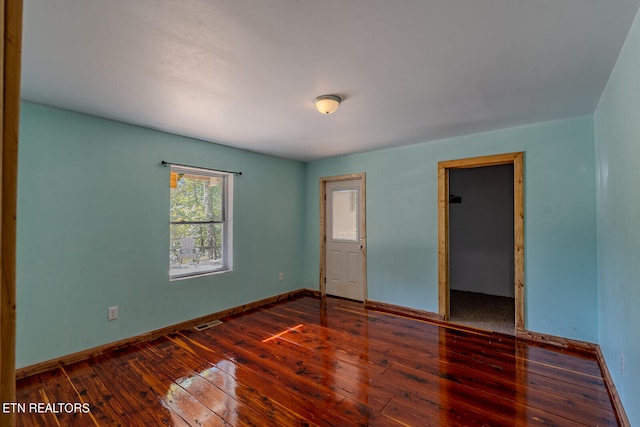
pixel 227 239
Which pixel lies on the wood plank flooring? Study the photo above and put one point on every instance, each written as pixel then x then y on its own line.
pixel 309 362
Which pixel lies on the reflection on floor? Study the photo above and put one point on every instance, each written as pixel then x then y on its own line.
pixel 322 363
pixel 489 312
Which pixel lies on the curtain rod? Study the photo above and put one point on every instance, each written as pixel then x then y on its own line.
pixel 163 163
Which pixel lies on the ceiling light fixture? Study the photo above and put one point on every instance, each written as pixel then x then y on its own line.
pixel 327 104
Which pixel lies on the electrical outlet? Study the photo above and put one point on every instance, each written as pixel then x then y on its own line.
pixel 113 313
pixel 281 276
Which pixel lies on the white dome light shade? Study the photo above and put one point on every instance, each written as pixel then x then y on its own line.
pixel 327 104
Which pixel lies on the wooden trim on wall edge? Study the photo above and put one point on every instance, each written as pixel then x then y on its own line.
pixel 443 242
pixel 427 316
pixel 591 349
pixel 96 351
pixel 621 415
pixel 402 311
pixel 556 341
pixel 315 293
pixel 323 244
pixel 10 55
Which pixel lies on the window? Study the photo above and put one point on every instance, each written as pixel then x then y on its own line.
pixel 200 215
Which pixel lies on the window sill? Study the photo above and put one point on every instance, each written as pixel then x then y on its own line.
pixel 195 275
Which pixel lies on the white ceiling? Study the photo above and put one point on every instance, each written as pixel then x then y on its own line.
pixel 244 73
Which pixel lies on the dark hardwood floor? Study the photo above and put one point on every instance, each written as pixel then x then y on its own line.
pixel 305 362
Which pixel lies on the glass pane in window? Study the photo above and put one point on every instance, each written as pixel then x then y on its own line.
pixel 197 198
pixel 195 248
pixel 344 214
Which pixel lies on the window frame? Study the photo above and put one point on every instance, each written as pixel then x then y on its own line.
pixel 226 221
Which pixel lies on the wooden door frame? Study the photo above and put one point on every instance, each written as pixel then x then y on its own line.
pixel 10 53
pixel 517 160
pixel 363 221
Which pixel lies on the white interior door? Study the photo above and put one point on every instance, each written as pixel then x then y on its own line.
pixel 344 257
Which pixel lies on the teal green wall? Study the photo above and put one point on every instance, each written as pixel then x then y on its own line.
pixel 402 218
pixel 93 227
pixel 93 231
pixel 617 142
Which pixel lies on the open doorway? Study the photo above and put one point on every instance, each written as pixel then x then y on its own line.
pixel 506 267
pixel 481 292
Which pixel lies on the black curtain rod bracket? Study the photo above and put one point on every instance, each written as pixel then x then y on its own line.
pixel 163 163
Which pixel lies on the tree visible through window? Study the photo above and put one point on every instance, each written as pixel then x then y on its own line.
pixel 199 212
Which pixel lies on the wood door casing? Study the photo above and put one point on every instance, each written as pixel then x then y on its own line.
pixel 10 51
pixel 517 159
